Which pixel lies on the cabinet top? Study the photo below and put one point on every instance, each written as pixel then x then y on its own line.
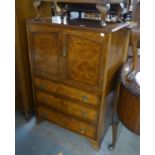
pixel 80 24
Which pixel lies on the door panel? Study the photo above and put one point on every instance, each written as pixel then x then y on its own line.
pixel 45 54
pixel 83 60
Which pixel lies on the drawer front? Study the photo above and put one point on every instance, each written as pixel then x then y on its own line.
pixel 67 91
pixel 67 106
pixel 67 122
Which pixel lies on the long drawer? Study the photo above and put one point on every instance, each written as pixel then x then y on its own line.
pixel 66 91
pixel 67 106
pixel 65 121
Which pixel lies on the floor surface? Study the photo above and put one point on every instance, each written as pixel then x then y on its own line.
pixel 49 139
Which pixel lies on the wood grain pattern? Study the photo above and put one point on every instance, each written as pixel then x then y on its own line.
pixel 18 92
pixel 67 122
pixel 89 59
pixel 45 53
pixel 67 91
pixel 67 106
pixel 117 50
pixel 83 46
pixel 116 56
pixel 87 28
pixel 80 52
pixel 23 80
pixel 129 110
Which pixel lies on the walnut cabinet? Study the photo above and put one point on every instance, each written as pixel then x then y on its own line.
pixel 73 71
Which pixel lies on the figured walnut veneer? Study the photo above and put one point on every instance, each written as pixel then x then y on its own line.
pixel 73 70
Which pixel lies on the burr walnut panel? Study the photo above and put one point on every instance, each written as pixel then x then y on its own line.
pixel 73 71
pixel 80 52
pixel 67 122
pixel 67 106
pixel 45 54
pixel 66 91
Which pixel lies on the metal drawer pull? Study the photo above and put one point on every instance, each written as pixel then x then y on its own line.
pixel 82 130
pixel 85 98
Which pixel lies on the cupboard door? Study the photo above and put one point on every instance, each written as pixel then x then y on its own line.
pixel 84 58
pixel 45 54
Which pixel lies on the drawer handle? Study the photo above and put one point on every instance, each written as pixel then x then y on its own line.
pixel 85 98
pixel 82 130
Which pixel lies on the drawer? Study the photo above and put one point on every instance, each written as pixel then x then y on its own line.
pixel 67 106
pixel 67 122
pixel 66 91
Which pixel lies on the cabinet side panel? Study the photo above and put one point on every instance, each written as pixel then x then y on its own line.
pixel 117 54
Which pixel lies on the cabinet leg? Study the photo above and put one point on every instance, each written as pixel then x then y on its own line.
pixel 115 123
pixel 27 116
pixel 95 145
pixel 39 119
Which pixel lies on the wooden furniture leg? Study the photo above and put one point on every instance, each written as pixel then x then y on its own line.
pixel 27 116
pixel 115 123
pixel 95 145
pixel 39 119
pixel 115 119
